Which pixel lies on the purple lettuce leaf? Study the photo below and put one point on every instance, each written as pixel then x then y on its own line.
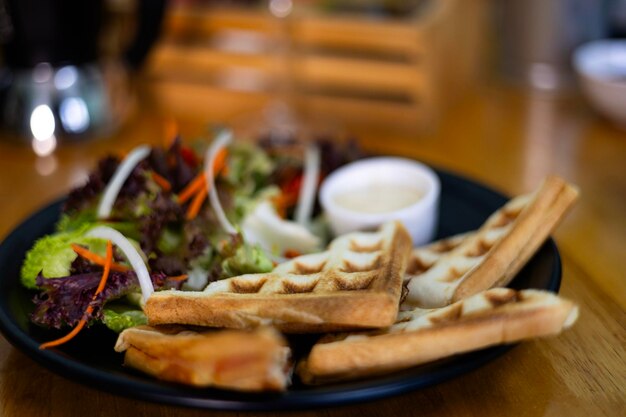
pixel 162 212
pixel 63 301
pixel 171 165
pixel 82 197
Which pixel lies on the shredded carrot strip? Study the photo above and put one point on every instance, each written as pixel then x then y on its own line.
pixel 220 161
pixel 196 203
pixel 283 201
pixel 291 253
pixel 89 309
pixel 200 180
pixel 162 182
pixel 178 278
pixel 97 259
pixel 170 132
pixel 192 188
pixel 197 187
pixel 107 270
pixel 68 336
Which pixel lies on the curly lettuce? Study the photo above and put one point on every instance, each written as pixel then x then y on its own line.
pixel 63 301
pixel 52 256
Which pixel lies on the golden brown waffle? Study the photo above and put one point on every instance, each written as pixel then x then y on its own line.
pixel 356 283
pixel 496 316
pixel 457 267
pixel 235 359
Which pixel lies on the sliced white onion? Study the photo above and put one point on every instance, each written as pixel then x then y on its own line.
pixel 133 257
pixel 306 197
pixel 221 141
pixel 121 174
pixel 264 227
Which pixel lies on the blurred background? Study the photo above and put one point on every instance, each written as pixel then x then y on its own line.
pixel 78 70
pixel 503 92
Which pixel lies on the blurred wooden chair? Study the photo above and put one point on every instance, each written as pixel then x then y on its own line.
pixel 400 72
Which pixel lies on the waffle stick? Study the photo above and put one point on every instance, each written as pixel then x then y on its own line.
pixel 457 267
pixel 356 283
pixel 234 359
pixel 496 316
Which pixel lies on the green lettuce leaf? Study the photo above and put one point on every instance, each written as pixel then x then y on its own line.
pixel 246 260
pixel 248 174
pixel 80 220
pixel 120 317
pixel 171 240
pixel 249 167
pixel 52 255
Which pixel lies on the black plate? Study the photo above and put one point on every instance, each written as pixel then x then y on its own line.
pixel 90 359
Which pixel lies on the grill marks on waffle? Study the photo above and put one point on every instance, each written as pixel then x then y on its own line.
pixel 418 265
pixel 476 307
pixel 481 244
pixel 304 269
pixel 247 286
pixel 351 265
pixel 346 284
pixel 454 274
pixel 479 249
pixel 440 267
pixel 495 227
pixel 426 257
pixel 447 315
pixel 497 299
pixel 507 214
pixel 446 245
pixel 300 286
pixel 354 262
pixel 356 246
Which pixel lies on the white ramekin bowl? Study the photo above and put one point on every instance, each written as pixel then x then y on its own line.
pixel 420 218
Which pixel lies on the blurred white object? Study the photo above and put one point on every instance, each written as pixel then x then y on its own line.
pixel 264 227
pixel 367 193
pixel 601 67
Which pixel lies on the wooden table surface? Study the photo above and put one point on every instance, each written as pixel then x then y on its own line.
pixel 506 139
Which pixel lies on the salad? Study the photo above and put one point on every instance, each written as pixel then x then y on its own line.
pixel 177 216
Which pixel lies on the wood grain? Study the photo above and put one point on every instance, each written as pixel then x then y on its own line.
pixel 501 137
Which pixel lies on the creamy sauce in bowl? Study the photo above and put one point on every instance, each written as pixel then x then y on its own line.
pixel 365 194
pixel 378 198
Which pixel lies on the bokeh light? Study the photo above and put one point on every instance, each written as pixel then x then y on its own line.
pixel 42 122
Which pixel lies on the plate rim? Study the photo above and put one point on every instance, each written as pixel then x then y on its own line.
pixel 180 395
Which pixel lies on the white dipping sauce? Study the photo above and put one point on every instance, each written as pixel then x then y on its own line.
pixel 365 194
pixel 378 198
